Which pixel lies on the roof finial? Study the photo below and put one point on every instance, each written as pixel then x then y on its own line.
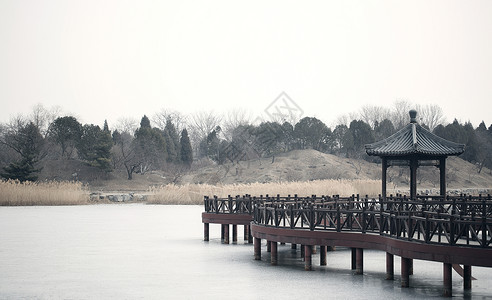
pixel 413 116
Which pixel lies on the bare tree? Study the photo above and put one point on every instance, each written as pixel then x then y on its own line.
pixel 128 125
pixel 124 154
pixel 372 114
pixel 234 119
pixel 431 115
pixel 399 115
pixel 43 117
pixel 178 119
pixel 201 124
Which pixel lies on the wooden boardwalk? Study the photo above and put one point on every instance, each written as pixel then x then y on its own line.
pixel 452 230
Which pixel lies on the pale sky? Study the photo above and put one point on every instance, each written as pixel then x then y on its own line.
pixel 110 59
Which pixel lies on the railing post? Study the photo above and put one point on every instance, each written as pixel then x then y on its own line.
pixel 484 221
pixel 292 218
pixel 381 210
pixel 311 218
pixel 451 230
pixel 427 228
pixel 338 218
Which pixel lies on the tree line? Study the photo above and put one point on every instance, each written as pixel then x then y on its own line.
pixel 172 141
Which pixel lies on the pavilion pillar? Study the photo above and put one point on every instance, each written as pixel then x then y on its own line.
pixel 442 176
pixel 384 167
pixel 414 164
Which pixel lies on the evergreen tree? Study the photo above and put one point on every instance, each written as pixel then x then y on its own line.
pixel 150 146
pixel 95 147
pixel 106 127
pixel 186 152
pixel 145 122
pixel 172 142
pixel 66 132
pixel 27 142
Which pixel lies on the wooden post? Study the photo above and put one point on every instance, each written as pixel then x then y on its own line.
pixel 206 232
pixel 303 248
pixel 269 246
pixel 294 247
pixel 442 176
pixel 273 254
pixel 353 258
pixel 257 246
pixel 413 177
pixel 234 233
pixel 308 265
pixel 226 233
pixel 384 167
pixel 222 233
pixel 405 277
pixel 250 237
pixel 322 255
pixel 467 277
pixel 390 266
pixel 246 233
pixel 410 266
pixel 359 261
pixel 448 280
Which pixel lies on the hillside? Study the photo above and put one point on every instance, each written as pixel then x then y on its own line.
pixel 298 165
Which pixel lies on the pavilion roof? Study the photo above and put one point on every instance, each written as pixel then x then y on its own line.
pixel 413 139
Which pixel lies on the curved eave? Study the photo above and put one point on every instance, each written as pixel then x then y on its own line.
pixel 414 140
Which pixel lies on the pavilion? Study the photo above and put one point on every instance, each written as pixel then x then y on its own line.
pixel 414 146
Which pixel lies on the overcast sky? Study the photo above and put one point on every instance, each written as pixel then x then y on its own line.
pixel 110 59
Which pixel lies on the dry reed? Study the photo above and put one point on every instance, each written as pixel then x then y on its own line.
pixel 15 193
pixel 193 193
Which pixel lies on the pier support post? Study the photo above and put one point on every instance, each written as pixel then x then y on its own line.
pixel 390 266
pixel 294 247
pixel 250 237
pixel 353 261
pixel 308 265
pixel 222 233
pixel 226 233
pixel 206 227
pixel 359 261
pixel 410 266
pixel 303 250
pixel 447 278
pixel 273 254
pixel 405 276
pixel 234 233
pixel 467 277
pixel 269 246
pixel 322 255
pixel 257 246
pixel 246 233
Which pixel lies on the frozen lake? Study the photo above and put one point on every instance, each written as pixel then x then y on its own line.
pixel 137 251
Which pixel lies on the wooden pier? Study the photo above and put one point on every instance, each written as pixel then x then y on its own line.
pixel 451 230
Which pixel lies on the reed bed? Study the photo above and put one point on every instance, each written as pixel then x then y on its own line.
pixel 15 193
pixel 191 194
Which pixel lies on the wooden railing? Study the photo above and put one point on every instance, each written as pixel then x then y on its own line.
pixel 452 220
